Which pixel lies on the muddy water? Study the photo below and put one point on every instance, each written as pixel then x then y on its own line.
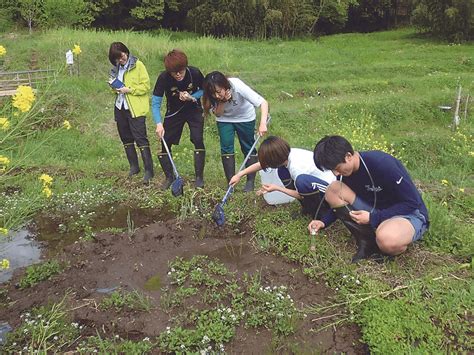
pixel 21 249
pixel 141 262
pixel 46 235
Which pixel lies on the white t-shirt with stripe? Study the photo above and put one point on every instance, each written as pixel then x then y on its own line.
pixel 300 161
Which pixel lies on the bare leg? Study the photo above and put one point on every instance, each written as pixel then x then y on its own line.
pixel 339 194
pixel 394 235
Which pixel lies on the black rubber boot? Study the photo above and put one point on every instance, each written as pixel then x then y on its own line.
pixel 250 184
pixel 228 162
pixel 132 159
pixel 364 234
pixel 148 164
pixel 199 162
pixel 167 169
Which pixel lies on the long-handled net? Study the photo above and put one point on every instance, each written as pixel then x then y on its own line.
pixel 178 183
pixel 218 215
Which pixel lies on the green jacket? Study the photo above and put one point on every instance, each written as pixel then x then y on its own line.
pixel 137 80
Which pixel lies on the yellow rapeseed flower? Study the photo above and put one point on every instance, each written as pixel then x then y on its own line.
pixel 4 123
pixel 4 231
pixel 66 124
pixel 4 161
pixel 445 182
pixel 46 179
pixel 77 49
pixel 5 264
pixel 24 98
pixel 47 191
pixel 3 51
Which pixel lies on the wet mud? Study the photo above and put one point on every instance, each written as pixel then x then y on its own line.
pixel 139 261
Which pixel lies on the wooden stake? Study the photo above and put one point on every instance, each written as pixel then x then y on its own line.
pixel 456 112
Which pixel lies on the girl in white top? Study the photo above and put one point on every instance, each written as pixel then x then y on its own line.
pixel 233 103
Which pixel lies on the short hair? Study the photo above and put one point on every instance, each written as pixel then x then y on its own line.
pixel 175 60
pixel 331 151
pixel 115 52
pixel 211 81
pixel 273 152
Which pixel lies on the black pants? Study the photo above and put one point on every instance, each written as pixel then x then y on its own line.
pixel 174 128
pixel 131 130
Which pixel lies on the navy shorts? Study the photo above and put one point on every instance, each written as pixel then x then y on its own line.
pixel 416 218
pixel 305 184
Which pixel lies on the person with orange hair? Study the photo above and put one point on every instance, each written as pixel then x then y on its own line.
pixel 182 86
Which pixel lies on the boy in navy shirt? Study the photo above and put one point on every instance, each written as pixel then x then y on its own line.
pixel 374 197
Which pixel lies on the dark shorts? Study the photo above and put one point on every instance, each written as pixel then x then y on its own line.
pixel 305 184
pixel 416 218
pixel 174 128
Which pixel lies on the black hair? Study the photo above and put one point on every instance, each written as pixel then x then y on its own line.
pixel 115 52
pixel 331 151
pixel 211 81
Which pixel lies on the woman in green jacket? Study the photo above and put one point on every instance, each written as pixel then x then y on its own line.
pixel 131 106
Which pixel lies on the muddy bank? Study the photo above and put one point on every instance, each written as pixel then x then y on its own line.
pixel 125 261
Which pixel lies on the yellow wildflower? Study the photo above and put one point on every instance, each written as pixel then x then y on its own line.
pixel 4 123
pixel 66 124
pixel 445 182
pixel 5 264
pixel 24 98
pixel 4 231
pixel 4 161
pixel 47 191
pixel 461 189
pixel 3 51
pixel 471 154
pixel 77 49
pixel 47 180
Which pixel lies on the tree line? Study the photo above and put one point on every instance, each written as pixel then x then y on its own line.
pixel 258 19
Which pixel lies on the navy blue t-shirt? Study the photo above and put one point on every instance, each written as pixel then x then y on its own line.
pixel 393 190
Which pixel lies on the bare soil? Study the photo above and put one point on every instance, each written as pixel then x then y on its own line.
pixel 118 260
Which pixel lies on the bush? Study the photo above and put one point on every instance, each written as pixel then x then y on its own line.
pixel 452 20
pixel 59 13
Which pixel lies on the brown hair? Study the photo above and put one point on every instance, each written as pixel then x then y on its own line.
pixel 273 152
pixel 115 52
pixel 175 60
pixel 211 81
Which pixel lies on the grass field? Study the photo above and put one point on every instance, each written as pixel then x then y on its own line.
pixel 380 90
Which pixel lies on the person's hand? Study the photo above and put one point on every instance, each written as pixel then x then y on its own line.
pixel 234 180
pixel 314 226
pixel 160 131
pixel 124 90
pixel 227 96
pixel 360 217
pixel 262 129
pixel 185 96
pixel 267 188
pixel 270 187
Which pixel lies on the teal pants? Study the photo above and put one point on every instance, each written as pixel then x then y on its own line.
pixel 245 133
